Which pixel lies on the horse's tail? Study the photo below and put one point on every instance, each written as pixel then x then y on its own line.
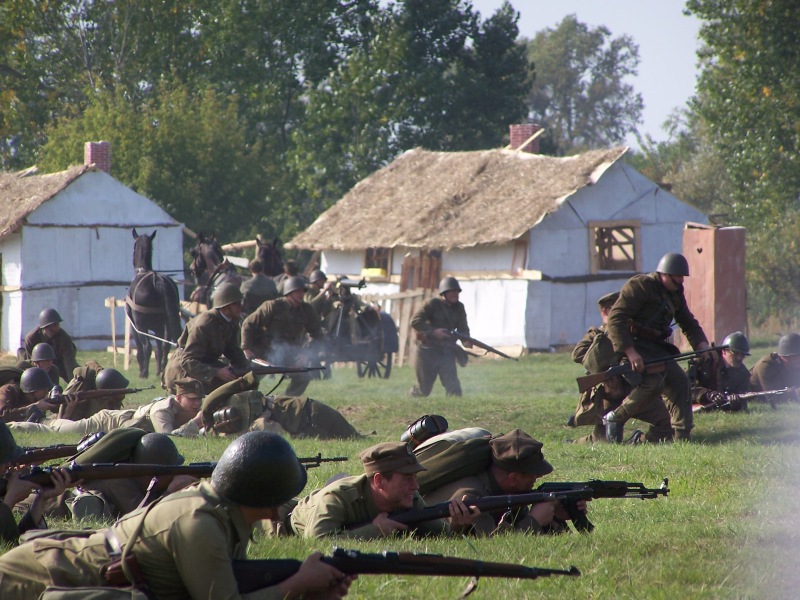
pixel 168 290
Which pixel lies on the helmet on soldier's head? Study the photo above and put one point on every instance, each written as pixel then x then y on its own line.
pixel 35 379
pixel 42 351
pixel 447 284
pixel 156 449
pixel 111 379
pixel 226 294
pixel 259 469
pixel 673 263
pixel 789 345
pixel 8 447
pixel 316 275
pixel 737 342
pixel 49 316
pixel 292 284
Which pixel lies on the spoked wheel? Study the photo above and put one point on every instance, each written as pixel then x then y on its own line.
pixel 375 368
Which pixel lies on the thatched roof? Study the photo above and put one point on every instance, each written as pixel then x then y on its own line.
pixel 449 200
pixel 22 193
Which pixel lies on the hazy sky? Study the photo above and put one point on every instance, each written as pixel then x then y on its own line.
pixel 666 38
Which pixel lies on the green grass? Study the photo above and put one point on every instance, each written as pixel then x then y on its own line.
pixel 728 529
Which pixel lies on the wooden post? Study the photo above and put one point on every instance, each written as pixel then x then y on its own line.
pixel 112 303
pixel 127 344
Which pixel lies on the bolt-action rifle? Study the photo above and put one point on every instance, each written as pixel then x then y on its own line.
pixel 35 456
pixel 731 399
pixel 479 344
pixel 252 575
pixel 96 471
pixel 600 489
pixel 587 382
pixel 273 370
pixel 57 396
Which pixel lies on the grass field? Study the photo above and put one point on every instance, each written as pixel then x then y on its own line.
pixel 728 529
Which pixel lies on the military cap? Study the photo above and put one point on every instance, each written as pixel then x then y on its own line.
pixel 608 300
pixel 518 452
pixel 189 386
pixel 390 457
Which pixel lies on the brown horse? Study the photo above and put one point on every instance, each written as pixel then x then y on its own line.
pixel 270 256
pixel 210 269
pixel 153 306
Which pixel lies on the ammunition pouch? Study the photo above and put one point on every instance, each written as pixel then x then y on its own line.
pixel 645 332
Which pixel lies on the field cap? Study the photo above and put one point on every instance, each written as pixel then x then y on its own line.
pixel 189 387
pixel 608 300
pixel 390 457
pixel 517 452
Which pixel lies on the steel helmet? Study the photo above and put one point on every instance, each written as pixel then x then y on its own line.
pixel 673 263
pixel 156 449
pixel 737 342
pixel 316 275
pixel 111 379
pixel 42 351
pixel 35 379
pixel 259 469
pixel 49 316
pixel 447 284
pixel 292 284
pixel 226 294
pixel 789 345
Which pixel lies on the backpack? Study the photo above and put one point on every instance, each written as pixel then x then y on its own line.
pixel 451 456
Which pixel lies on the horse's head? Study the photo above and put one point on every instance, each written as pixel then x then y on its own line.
pixel 207 255
pixel 143 250
pixel 270 256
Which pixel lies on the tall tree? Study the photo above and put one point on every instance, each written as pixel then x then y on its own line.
pixel 581 95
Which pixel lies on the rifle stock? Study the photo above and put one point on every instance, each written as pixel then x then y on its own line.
pixel 97 394
pixel 587 382
pixel 252 575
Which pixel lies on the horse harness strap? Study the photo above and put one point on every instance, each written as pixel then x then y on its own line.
pixel 129 299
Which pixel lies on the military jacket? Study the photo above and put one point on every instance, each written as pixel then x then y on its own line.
pixel 771 373
pixel 580 349
pixel 438 313
pixel 304 417
pixel 63 347
pixel 278 321
pixel 165 416
pixel 645 302
pixel 345 503
pixel 728 380
pixel 320 301
pixel 184 551
pixel 479 486
pixel 257 290
pixel 14 403
pixel 204 340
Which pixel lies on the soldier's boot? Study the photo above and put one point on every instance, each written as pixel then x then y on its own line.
pixel 637 437
pixel 615 428
pixel 682 435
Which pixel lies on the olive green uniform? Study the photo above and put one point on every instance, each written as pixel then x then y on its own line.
pixel 722 378
pixel 434 358
pixel 302 417
pixel 83 379
pixel 320 301
pixel 206 338
pixel 184 551
pixel 641 318
pixel 278 332
pixel 346 508
pixel 63 347
pixel 14 403
pixel 479 486
pixel 771 373
pixel 163 415
pixel 257 290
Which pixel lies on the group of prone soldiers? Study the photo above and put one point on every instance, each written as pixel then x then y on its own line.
pixel 184 533
pixel 716 378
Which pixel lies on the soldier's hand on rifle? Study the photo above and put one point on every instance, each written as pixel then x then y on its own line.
pixel 226 374
pixel 636 360
pixel 316 579
pixel 70 402
pixel 440 333
pixel 562 513
pixel 466 343
pixel 543 512
pixel 461 515
pixel 716 397
pixel 386 525
pixel 45 404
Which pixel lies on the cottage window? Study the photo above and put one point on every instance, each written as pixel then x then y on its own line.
pixel 615 246
pixel 379 258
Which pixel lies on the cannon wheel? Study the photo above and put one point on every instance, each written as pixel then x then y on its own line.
pixel 372 368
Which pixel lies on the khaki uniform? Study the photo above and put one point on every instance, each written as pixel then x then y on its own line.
pixel 206 338
pixel 163 415
pixel 319 301
pixel 63 347
pixel 641 318
pixel 184 551
pixel 437 359
pixel 771 373
pixel 278 332
pixel 303 417
pixel 345 503
pixel 14 403
pixel 480 486
pixel 257 290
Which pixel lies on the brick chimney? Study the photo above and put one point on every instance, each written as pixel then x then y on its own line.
pixel 519 133
pixel 98 154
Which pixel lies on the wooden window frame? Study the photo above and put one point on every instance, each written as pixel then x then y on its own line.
pixel 385 261
pixel 595 256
